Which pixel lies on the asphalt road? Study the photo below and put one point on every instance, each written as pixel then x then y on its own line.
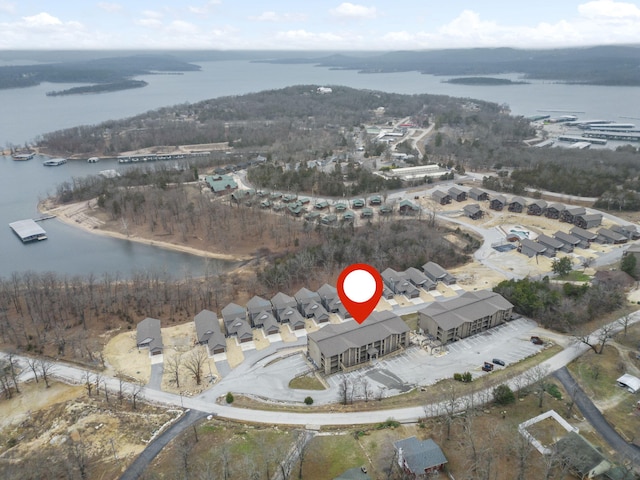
pixel 596 419
pixel 139 465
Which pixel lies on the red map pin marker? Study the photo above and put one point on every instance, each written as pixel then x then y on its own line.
pixel 359 288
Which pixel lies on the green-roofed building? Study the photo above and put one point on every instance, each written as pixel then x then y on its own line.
pixel 366 213
pixel 289 197
pixel 375 200
pixel 321 205
pixel 296 209
pixel 408 208
pixel 348 216
pixel 312 216
pixel 304 200
pixel 220 184
pixel 385 210
pixel 340 207
pixel 329 219
pixel 357 203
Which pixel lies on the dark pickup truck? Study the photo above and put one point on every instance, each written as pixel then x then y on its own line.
pixel 536 340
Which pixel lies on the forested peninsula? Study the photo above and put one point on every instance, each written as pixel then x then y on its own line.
pixel 105 74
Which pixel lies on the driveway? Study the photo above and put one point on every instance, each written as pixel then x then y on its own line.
pixel 595 418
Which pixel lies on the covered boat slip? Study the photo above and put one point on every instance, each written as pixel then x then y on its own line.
pixel 28 230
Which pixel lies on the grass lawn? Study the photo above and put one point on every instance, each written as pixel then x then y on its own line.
pixel 306 382
pixel 575 276
pixel 411 320
pixel 597 374
pixel 327 457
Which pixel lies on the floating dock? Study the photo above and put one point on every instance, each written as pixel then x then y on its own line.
pixel 28 230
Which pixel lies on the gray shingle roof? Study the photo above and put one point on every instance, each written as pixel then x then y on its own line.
pixel 257 304
pixel 567 238
pixel 535 246
pixel 148 332
pixel 305 296
pixel 420 455
pixel 466 308
pixel 335 339
pixel 548 241
pixel 206 325
pixel 582 233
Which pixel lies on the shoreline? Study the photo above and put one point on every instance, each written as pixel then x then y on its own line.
pixel 65 214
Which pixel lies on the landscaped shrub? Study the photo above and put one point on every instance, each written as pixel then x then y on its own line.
pixel 554 391
pixel 308 401
pixel 503 395
pixel 229 397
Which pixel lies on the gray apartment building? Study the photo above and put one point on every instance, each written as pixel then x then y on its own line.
pixel 339 347
pixel 468 314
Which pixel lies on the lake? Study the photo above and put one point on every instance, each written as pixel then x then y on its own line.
pixel 28 113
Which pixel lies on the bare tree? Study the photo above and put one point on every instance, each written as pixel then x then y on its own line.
pixel 536 377
pixel 172 366
pixel 121 386
pixel 13 368
pixel 79 458
pixel 87 377
pixel 624 321
pixel 345 390
pixel 598 339
pixel 136 390
pixel 366 389
pixel 46 369
pixel 194 364
pixel 450 406
pixel 98 379
pixel 33 365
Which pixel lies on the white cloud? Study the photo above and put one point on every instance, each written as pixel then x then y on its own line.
pixel 41 20
pixel 110 7
pixel 182 27
pixel 303 39
pixel 349 10
pixel 149 22
pixel 203 9
pixel 152 14
pixel 7 7
pixel 609 9
pixel 279 17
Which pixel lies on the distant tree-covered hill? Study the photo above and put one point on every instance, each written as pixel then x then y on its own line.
pixel 605 65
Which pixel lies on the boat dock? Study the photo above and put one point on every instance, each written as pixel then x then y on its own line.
pixel 28 230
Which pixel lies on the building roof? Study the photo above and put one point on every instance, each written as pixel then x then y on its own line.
pixel 435 271
pixel 500 198
pixel 417 277
pixel 233 310
pixel 587 217
pixel 579 453
pixel 472 208
pixel 582 233
pixel 535 246
pixel 630 381
pixel 408 204
pixel 305 296
pixel 616 237
pixel 257 304
pixel 439 194
pixel 556 206
pixel 549 241
pixel 456 191
pixel 420 455
pixel 148 332
pixel 466 308
pixel 220 183
pixel 292 316
pixel 566 238
pixel 338 338
pixel 206 325
pixel 575 211
pixel 519 200
pixel 282 300
pixel 477 191
pixel 239 327
pixel 267 320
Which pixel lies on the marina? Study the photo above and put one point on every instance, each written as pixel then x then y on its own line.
pixel 28 230
pixel 583 139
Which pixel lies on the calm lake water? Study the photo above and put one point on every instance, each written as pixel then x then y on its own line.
pixel 28 113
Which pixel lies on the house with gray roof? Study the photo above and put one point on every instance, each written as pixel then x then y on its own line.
pixel 257 305
pixel 340 347
pixel 148 335
pixel 478 195
pixel 537 208
pixel 315 310
pixel 465 315
pixel 267 322
pixel 304 297
pixel 498 202
pixel 554 210
pixel 473 211
pixel 585 236
pixel 457 194
pixel 443 198
pixel 530 248
pixel 293 317
pixel 569 242
pixel 436 273
pixel 331 300
pixel 208 332
pixel 517 205
pixel 553 244
pixel 281 302
pixel 629 231
pixel 419 279
pixel 399 284
pixel 569 214
pixel 420 458
pixel 583 459
pixel 235 322
pixel 588 220
pixel 610 237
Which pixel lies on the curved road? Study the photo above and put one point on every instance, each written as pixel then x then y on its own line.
pixel 595 418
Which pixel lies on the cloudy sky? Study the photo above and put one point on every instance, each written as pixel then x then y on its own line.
pixel 315 24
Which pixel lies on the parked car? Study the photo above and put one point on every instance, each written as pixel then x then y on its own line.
pixel 487 367
pixel 497 361
pixel 537 340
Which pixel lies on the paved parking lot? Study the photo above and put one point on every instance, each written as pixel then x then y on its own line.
pixel 508 342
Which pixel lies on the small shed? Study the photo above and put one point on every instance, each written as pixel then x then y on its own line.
pixel 408 208
pixel 629 382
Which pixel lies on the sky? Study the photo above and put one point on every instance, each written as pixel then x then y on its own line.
pixel 315 24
